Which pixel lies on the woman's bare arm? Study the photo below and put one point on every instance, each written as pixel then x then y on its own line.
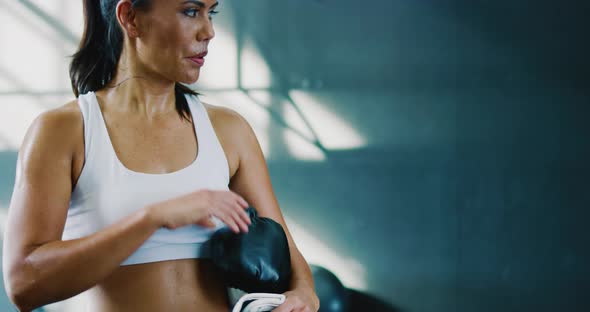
pixel 252 181
pixel 38 267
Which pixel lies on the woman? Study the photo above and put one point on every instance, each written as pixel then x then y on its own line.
pixel 109 195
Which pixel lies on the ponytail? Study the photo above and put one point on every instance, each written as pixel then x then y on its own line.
pixel 94 65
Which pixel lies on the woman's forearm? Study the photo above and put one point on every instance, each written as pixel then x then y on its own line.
pixel 61 269
pixel 302 278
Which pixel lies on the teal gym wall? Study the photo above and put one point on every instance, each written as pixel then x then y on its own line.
pixel 432 154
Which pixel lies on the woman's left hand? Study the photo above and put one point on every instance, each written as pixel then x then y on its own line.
pixel 299 301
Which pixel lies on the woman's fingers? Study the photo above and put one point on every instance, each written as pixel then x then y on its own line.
pixel 231 208
pixel 244 215
pixel 239 214
pixel 242 206
pixel 235 216
pixel 241 200
pixel 244 224
pixel 232 224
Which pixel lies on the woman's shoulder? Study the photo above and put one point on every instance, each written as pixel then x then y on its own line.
pixel 60 120
pixel 225 119
pixel 60 127
pixel 233 131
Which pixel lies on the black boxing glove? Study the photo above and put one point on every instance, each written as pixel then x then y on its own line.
pixel 257 261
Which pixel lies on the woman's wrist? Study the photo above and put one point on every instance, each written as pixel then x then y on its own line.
pixel 316 300
pixel 310 293
pixel 151 214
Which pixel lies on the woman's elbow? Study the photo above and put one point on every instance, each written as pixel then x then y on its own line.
pixel 20 285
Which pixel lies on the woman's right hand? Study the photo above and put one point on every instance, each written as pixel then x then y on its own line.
pixel 198 207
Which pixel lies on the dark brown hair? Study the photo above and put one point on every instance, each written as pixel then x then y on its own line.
pixel 95 63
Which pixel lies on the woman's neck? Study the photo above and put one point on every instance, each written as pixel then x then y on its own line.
pixel 140 95
pixel 137 90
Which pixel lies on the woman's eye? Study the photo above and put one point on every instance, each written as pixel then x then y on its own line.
pixel 195 12
pixel 212 13
pixel 191 12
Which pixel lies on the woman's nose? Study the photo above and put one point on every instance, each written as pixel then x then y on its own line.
pixel 206 33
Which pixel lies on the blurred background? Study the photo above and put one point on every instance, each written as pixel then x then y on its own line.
pixel 428 155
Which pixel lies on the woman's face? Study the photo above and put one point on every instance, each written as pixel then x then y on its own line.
pixel 173 36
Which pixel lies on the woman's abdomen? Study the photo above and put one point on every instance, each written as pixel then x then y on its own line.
pixel 176 285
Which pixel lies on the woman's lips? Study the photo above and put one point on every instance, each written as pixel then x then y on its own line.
pixel 198 60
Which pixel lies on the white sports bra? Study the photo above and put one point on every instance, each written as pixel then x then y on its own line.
pixel 107 191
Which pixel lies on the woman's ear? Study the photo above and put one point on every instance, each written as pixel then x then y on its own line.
pixel 127 17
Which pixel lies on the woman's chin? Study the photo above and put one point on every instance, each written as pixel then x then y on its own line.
pixel 190 78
